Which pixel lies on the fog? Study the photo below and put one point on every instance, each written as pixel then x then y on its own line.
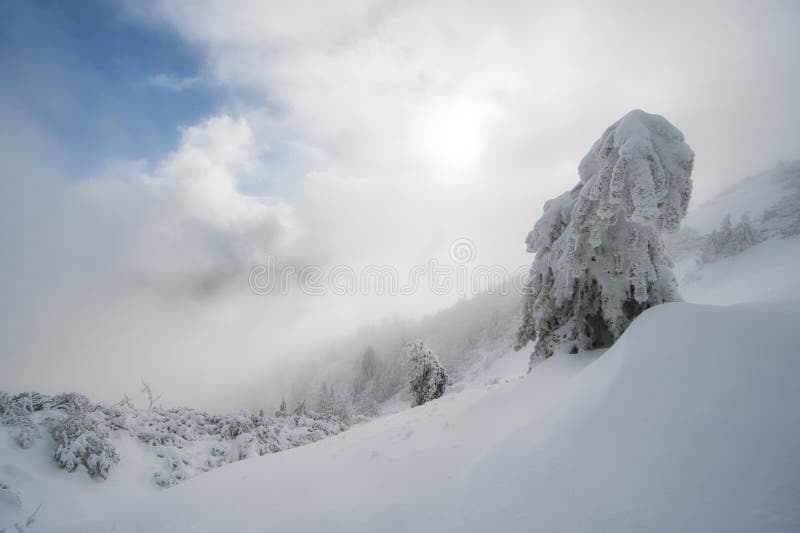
pixel 369 133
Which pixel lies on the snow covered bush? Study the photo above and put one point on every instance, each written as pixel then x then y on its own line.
pixel 81 439
pixel 18 410
pixel 729 240
pixel 600 260
pixel 184 441
pixel 190 441
pixel 428 379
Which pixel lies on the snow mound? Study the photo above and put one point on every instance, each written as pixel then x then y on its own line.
pixel 685 425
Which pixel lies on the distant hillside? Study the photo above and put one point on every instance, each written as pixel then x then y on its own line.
pixel 770 200
pixel 755 195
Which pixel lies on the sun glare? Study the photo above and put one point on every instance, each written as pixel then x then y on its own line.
pixel 456 135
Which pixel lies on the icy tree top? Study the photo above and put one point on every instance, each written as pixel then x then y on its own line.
pixel 640 164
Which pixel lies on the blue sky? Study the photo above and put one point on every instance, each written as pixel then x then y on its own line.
pixel 82 71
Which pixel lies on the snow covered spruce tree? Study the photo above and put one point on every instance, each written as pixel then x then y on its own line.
pixel 600 260
pixel 729 240
pixel 427 377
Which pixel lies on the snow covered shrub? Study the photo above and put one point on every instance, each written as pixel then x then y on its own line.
pixel 16 407
pixel 70 402
pixel 729 240
pixel 190 441
pixel 176 468
pixel 82 440
pixel 18 410
pixel 599 259
pixel 428 379
pixel 187 441
pixel 231 426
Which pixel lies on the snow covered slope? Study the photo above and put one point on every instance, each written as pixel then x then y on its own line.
pixel 689 423
pixel 767 271
pixel 753 195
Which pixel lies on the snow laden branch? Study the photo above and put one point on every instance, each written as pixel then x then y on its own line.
pixel 600 260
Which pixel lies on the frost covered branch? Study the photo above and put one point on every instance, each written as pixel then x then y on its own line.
pixel 148 391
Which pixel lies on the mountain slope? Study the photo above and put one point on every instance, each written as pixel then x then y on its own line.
pixel 753 195
pixel 687 423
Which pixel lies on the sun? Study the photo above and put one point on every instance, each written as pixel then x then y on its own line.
pixel 455 135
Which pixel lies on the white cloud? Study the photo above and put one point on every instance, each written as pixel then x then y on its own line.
pixel 138 272
pixel 173 83
pixel 356 81
pixel 187 221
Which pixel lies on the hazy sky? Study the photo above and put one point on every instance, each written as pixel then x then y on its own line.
pixel 154 152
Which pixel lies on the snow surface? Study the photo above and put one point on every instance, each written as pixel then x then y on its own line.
pixel 689 423
pixel 768 271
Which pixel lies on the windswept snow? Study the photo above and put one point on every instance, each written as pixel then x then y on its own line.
pixel 688 423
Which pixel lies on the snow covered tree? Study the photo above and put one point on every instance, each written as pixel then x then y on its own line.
pixel 370 365
pixel 367 372
pixel 300 409
pixel 729 240
pixel 326 399
pixel 331 402
pixel 600 260
pixel 366 385
pixel 282 410
pixel 746 235
pixel 427 379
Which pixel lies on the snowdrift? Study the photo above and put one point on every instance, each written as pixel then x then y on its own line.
pixel 686 425
pixel 689 423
